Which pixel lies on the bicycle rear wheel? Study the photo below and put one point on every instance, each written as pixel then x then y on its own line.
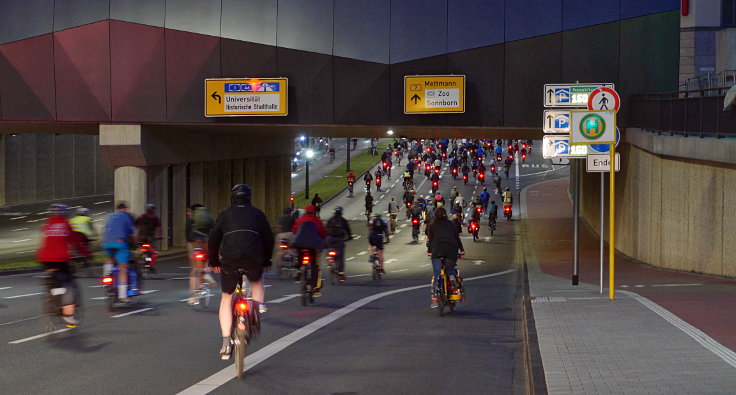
pixel 441 296
pixel 304 286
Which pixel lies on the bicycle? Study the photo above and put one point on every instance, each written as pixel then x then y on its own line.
pixel 375 265
pixel 492 222
pixel 246 321
pixel 308 258
pixel 203 293
pixel 51 302
pixel 332 258
pixel 448 293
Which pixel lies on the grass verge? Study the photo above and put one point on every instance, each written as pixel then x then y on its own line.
pixel 333 183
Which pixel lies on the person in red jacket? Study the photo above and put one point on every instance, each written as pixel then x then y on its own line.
pixel 310 237
pixel 57 238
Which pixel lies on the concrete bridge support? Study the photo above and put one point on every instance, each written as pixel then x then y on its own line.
pixel 174 169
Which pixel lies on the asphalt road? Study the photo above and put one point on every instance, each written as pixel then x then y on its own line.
pixel 363 336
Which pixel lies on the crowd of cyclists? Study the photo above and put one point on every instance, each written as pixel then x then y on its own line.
pixel 241 236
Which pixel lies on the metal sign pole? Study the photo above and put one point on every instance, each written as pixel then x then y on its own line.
pixel 576 220
pixel 603 208
pixel 611 219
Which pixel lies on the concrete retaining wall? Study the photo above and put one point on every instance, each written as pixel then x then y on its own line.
pixel 672 212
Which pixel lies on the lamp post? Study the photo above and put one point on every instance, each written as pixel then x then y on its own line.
pixel 310 155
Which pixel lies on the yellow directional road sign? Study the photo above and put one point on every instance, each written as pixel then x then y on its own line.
pixel 433 94
pixel 231 97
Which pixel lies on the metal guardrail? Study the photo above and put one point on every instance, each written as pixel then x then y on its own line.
pixel 725 78
pixel 689 113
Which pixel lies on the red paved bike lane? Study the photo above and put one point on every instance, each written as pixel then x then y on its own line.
pixel 707 306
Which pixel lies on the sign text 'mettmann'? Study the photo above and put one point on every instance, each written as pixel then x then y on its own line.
pixel 441 84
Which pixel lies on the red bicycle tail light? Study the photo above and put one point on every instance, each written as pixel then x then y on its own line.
pixel 199 256
pixel 242 306
pixel 107 280
pixel 306 259
pixel 415 221
pixel 332 253
pixel 283 246
pixel 146 245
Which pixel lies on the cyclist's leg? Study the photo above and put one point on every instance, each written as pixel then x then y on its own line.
pixel 340 256
pixel 122 256
pixel 316 284
pixel 228 282
pixel 379 246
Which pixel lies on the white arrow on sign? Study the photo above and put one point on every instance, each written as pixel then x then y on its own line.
pixel 284 299
pixel 478 262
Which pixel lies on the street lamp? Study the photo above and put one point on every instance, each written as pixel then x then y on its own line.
pixel 390 132
pixel 310 155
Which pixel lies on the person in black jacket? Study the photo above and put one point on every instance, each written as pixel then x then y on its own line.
pixel 241 238
pixel 444 241
pixel 338 232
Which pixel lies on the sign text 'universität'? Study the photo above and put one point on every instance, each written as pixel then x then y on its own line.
pixel 246 97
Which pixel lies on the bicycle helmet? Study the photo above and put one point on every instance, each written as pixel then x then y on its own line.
pixel 82 211
pixel 338 209
pixel 150 207
pixel 241 192
pixel 58 209
pixel 507 188
pixel 377 215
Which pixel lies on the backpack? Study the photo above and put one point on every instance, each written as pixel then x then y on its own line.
pixel 334 227
pixel 377 226
pixel 202 220
pixel 307 236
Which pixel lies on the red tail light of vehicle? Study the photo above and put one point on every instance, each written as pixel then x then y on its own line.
pixel 427 167
pixel 481 176
pixel 465 177
pixel 107 280
pixel 489 144
pixel 284 246
pixel 523 156
pixel 415 221
pixel 498 158
pixel 511 146
pixel 332 253
pixel 507 209
pixel 200 256
pixel 385 164
pixel 437 171
pixel 454 171
pixel 444 155
pixel 242 306
pixel 434 184
pixel 523 146
pixel 493 168
pixel 292 199
pixel 306 259
pixel 479 209
pixel 408 204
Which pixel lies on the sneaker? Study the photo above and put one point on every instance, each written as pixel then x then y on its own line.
pixel 70 321
pixel 434 305
pixel 226 351
pixel 262 308
pixel 382 271
pixel 316 294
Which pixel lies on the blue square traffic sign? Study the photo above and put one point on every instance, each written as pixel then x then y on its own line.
pixel 562 95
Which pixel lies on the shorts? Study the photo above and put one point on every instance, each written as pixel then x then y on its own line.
pixel 118 251
pixel 376 241
pixel 229 277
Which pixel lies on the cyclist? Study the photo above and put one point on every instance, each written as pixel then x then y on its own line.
pixel 465 170
pixel 57 236
pixel 393 209
pixel 492 213
pixel 444 241
pixel 407 177
pixel 310 233
pixel 507 198
pixel 338 232
pixel 240 239
pixel 377 230
pixel 368 178
pixel 199 224
pixel 368 205
pixel 84 231
pixel 484 198
pixel 149 228
pixel 317 203
pixel 454 192
pixel 117 240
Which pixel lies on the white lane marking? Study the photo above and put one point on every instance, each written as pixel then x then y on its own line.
pixel 14 218
pixel 359 275
pixel 102 202
pixel 25 252
pixel 478 262
pixel 100 213
pixel 21 320
pixel 184 267
pixel 425 265
pixel 39 336
pixel 391 260
pixel 403 225
pixel 350 259
pixel 400 270
pixel 355 218
pixel 21 241
pixel 22 296
pixel 706 341
pixel 178 278
pixel 132 312
pixel 223 376
pixel 19 229
pixel 676 285
pixel 356 237
pixel 398 230
pixel 2 288
pixel 96 286
pixel 35 220
pixel 638 286
pixel 149 291
pixel 284 299
pixel 362 253
pixel 99 298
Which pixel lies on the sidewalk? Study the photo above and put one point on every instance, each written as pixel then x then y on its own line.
pixel 665 332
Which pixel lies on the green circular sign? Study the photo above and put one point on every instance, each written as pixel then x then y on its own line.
pixel 592 126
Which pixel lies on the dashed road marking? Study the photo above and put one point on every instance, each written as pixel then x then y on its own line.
pixel 21 241
pixel 39 336
pixel 19 229
pixel 2 288
pixel 132 312
pixel 22 296
pixel 102 202
pixel 359 275
pixel 400 270
pixel 362 253
pixel 350 259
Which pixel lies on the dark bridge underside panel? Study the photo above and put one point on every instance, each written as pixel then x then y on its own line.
pixel 157 76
